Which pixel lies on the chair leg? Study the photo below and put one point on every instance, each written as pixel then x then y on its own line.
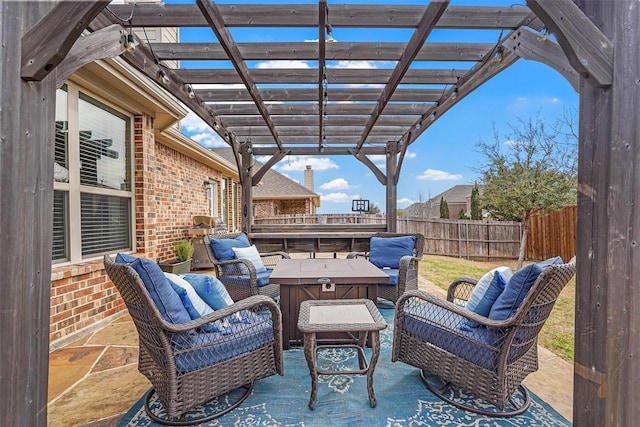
pixel 519 409
pixel 183 421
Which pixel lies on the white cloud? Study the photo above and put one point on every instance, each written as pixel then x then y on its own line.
pixel 283 64
pixel 336 184
pixel 410 155
pixel 338 197
pixel 405 201
pixel 299 163
pixel 195 128
pixel 437 175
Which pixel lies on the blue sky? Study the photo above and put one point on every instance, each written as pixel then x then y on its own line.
pixel 445 154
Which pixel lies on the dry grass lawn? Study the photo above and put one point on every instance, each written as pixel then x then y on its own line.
pixel 556 335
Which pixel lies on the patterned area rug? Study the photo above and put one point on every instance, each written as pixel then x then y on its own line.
pixel 342 399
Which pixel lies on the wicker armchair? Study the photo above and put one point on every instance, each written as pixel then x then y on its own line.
pixel 239 276
pixel 189 365
pixel 407 273
pixel 490 359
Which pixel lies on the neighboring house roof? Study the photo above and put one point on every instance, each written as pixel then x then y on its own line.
pixel 274 185
pixel 456 194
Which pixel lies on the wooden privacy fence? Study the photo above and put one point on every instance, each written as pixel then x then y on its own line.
pixel 465 238
pixel 550 233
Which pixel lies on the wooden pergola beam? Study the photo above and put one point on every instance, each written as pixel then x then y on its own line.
pixel 432 14
pixel 359 155
pixel 342 15
pixel 47 43
pixel 322 69
pixel 304 51
pixel 275 158
pixel 312 150
pixel 217 24
pixel 529 45
pixel 589 51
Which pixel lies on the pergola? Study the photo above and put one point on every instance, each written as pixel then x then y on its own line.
pixel 335 111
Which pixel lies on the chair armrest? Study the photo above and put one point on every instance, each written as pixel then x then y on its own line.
pixel 427 298
pixel 235 267
pixel 270 259
pixel 407 271
pixel 460 290
pixel 352 255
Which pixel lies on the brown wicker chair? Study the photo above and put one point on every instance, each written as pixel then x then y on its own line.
pixel 239 275
pixel 188 367
pixel 491 360
pixel 407 272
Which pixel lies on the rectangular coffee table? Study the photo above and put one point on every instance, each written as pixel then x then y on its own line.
pixel 321 279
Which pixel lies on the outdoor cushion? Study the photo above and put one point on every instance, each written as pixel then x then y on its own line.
pixel 262 278
pixel 245 337
pixel 387 251
pixel 251 253
pixel 441 328
pixel 550 261
pixel 514 293
pixel 393 275
pixel 210 289
pixel 486 291
pixel 164 297
pixel 223 248
pixel 199 306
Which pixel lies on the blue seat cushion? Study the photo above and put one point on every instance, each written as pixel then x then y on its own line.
pixel 514 292
pixel 164 297
pixel 223 248
pixel 442 328
pixel 387 251
pixel 393 275
pixel 239 338
pixel 244 280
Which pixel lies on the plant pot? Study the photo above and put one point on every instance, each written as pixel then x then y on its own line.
pixel 176 267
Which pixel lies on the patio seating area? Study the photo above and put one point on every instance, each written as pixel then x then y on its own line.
pixel 94 380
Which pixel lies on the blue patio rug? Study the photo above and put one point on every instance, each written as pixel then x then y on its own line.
pixel 342 399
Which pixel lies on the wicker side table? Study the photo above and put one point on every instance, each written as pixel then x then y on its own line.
pixel 359 317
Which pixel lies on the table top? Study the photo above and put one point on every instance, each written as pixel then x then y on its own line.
pixel 339 315
pixel 326 270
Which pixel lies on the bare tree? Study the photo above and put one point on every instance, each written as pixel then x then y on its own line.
pixel 532 168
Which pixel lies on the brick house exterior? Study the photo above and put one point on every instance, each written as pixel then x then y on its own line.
pixel 276 194
pixel 168 172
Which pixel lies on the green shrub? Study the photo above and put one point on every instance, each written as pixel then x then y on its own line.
pixel 183 250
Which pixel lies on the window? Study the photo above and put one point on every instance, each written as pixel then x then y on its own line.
pixel 92 178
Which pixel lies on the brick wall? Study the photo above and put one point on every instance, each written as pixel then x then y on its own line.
pixel 263 208
pixel 169 191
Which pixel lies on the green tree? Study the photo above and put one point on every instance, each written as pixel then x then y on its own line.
pixel 461 214
pixel 374 209
pixel 476 210
pixel 536 169
pixel 444 208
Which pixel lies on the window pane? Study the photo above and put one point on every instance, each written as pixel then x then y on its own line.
pixel 104 147
pixel 59 251
pixel 61 165
pixel 105 223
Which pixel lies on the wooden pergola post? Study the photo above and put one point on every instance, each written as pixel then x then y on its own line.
pixel 391 187
pixel 607 337
pixel 26 182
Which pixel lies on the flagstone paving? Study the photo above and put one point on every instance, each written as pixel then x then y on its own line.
pixel 94 380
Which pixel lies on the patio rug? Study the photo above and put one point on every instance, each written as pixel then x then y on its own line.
pixel 342 399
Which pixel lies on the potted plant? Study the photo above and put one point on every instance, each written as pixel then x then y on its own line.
pixel 183 250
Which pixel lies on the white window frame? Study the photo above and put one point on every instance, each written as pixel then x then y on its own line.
pixel 74 189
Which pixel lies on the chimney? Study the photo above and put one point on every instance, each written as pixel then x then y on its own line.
pixel 308 178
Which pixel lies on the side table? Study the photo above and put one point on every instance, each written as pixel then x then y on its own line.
pixel 356 316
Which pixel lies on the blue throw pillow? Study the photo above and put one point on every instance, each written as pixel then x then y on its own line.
pixel 486 292
pixel 387 251
pixel 210 289
pixel 514 293
pixel 165 298
pixel 550 261
pixel 222 248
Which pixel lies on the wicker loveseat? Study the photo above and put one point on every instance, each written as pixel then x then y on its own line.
pixel 191 363
pixel 239 275
pixel 402 269
pixel 460 348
